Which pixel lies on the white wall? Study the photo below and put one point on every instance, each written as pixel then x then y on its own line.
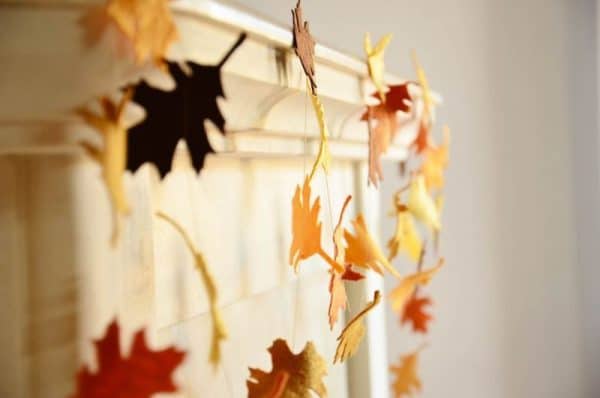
pixel 508 307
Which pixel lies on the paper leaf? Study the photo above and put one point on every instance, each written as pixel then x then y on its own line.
pixel 353 333
pixel 363 251
pixel 407 381
pixel 304 45
pixel 428 102
pixel 351 275
pixel 383 124
pixel 435 161
pixel 147 24
pixel 219 331
pixel 323 157
pixel 113 155
pixel 178 114
pixel 375 61
pixel 414 313
pixel 405 239
pixel 406 287
pixel 292 375
pixel 421 204
pixel 140 375
pixel 397 98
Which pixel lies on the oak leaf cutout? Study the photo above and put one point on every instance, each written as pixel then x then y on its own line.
pixel 306 229
pixel 375 61
pixel 406 287
pixel 414 313
pixel 421 205
pixel 292 375
pixel 353 333
pixel 324 156
pixel 363 251
pixel 219 332
pixel 113 156
pixel 304 45
pixel 140 375
pixel 435 161
pixel 407 381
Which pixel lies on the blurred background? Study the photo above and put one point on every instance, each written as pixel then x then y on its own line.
pixel 517 309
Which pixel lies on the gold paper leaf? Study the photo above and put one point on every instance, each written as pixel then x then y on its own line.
pixel 375 62
pixel 353 333
pixel 292 375
pixel 405 239
pixel 323 157
pixel 421 204
pixel 406 287
pixel 407 380
pixel 219 331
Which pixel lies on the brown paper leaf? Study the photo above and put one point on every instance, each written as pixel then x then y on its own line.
pixel 406 287
pixel 407 381
pixel 113 156
pixel 304 45
pixel 303 373
pixel 219 331
pixel 363 251
pixel 353 333
pixel 375 61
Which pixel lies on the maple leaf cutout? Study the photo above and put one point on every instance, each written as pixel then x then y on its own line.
pixel 324 156
pixel 401 293
pixel 375 61
pixel 113 156
pixel 363 251
pixel 353 333
pixel 421 204
pixel 304 45
pixel 292 375
pixel 414 313
pixel 140 375
pixel 219 331
pixel 306 229
pixel 435 161
pixel 407 380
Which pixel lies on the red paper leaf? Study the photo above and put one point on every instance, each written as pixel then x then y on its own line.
pixel 142 374
pixel 414 313
pixel 397 98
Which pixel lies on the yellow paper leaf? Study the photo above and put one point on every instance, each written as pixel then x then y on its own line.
pixel 376 63
pixel 406 287
pixel 353 333
pixel 435 161
pixel 147 23
pixel 405 239
pixel 292 375
pixel 113 156
pixel 421 204
pixel 428 102
pixel 323 157
pixel 407 380
pixel 219 331
pixel 363 251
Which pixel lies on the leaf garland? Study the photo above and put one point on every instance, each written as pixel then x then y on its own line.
pixel 219 331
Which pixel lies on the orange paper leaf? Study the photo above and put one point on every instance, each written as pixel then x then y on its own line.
pixel 304 45
pixel 363 251
pixel 435 161
pixel 407 380
pixel 353 333
pixel 414 313
pixel 406 287
pixel 292 375
pixel 140 375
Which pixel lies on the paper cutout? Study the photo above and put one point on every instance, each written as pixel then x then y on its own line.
pixel 113 156
pixel 414 313
pixel 323 157
pixel 304 45
pixel 140 375
pixel 306 229
pixel 428 102
pixel 147 24
pixel 375 61
pixel 421 205
pixel 353 333
pixel 435 161
pixel 407 380
pixel 363 251
pixel 405 239
pixel 422 139
pixel 178 114
pixel 292 375
pixel 406 287
pixel 219 331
